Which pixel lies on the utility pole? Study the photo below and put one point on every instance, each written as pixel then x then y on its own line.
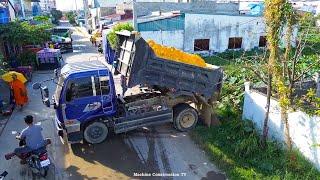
pixel 22 9
pixel 85 7
pixel 77 13
pixel 134 12
pixel 75 2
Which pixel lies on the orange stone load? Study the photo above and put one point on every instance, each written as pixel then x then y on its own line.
pixel 173 54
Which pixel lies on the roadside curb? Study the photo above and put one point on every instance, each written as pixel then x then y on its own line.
pixel 4 122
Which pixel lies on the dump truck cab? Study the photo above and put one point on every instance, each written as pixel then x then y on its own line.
pixel 84 92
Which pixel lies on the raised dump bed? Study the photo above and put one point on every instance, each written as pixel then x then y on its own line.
pixel 137 61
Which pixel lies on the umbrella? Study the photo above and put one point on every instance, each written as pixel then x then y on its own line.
pixel 8 76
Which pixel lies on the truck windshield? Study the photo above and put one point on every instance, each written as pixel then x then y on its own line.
pixel 58 89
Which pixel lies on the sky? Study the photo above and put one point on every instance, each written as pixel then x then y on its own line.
pixel 66 5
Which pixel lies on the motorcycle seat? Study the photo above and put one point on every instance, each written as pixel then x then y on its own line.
pixel 39 151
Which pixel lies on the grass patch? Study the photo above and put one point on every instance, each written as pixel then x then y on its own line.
pixel 234 147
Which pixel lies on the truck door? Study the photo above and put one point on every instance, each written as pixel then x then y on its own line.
pixel 80 100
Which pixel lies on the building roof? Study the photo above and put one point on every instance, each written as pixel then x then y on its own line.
pixel 155 16
pixel 110 3
pixel 112 16
pixel 164 21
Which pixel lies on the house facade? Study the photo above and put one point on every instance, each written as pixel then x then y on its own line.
pixel 7 11
pixel 93 9
pixel 47 5
pixel 206 33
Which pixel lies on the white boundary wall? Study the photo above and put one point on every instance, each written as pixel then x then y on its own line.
pixel 304 130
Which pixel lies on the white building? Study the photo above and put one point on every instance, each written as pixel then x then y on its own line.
pixel 94 14
pixel 6 12
pixel 307 6
pixel 205 33
pixel 47 5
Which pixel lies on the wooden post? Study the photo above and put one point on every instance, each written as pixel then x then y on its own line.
pixel 318 84
pixel 207 110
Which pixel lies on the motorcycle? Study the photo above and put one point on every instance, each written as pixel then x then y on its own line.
pixel 3 175
pixel 100 50
pixel 38 160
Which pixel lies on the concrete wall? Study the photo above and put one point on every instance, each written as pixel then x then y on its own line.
pixel 105 11
pixel 304 129
pixel 95 16
pixel 218 28
pixel 208 7
pixel 167 38
pixel 120 8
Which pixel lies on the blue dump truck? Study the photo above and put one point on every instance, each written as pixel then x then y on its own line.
pixel 88 107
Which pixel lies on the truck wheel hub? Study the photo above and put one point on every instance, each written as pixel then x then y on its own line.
pixel 187 120
pixel 95 132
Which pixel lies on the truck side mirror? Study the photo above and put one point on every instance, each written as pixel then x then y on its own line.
pixel 45 91
pixel 46 102
pixel 36 86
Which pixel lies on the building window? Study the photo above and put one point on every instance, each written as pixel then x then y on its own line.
pixel 235 43
pixel 79 88
pixel 201 44
pixel 262 41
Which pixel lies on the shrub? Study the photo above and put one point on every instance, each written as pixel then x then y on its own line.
pixel 235 148
pixel 112 36
pixel 27 58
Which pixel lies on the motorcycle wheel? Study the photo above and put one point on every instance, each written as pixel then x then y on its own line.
pixel 44 171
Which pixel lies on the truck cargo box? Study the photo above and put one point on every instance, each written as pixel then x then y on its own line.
pixel 137 61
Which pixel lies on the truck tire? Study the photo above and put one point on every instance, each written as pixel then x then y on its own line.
pixel 185 117
pixel 95 132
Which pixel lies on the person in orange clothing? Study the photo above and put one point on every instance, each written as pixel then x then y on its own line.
pixel 19 91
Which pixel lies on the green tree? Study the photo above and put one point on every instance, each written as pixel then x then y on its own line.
pixel 56 16
pixel 17 34
pixel 287 66
pixel 42 19
pixel 2 64
pixel 273 17
pixel 112 36
pixel 71 16
pixel 22 33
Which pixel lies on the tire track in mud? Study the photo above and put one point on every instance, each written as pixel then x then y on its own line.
pixel 151 151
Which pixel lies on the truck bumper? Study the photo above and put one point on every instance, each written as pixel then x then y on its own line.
pixel 59 126
pixel 73 132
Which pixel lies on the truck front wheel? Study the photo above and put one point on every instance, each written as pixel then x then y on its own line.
pixel 95 133
pixel 185 117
